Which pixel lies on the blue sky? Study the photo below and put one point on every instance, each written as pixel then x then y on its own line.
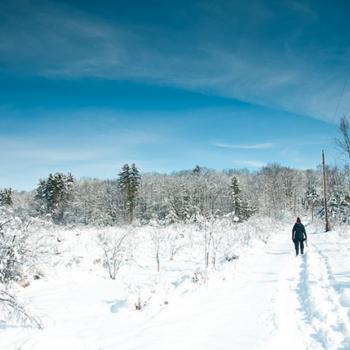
pixel 88 86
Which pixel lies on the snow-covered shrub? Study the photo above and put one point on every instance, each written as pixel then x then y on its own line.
pixel 220 239
pixel 12 309
pixel 10 266
pixel 140 298
pixel 341 229
pixel 158 236
pixel 258 228
pixel 175 240
pixel 140 291
pixel 213 234
pixel 199 276
pixel 117 249
pixel 22 247
pixel 13 248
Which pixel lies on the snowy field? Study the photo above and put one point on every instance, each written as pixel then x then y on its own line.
pixel 265 299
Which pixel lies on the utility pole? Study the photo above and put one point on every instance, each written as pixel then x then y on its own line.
pixel 327 228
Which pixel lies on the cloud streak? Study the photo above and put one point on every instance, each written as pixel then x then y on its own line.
pixel 249 163
pixel 265 61
pixel 258 146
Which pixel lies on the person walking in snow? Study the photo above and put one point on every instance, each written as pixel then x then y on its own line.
pixel 299 236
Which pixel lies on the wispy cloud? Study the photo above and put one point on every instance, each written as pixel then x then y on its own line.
pixel 58 143
pixel 20 151
pixel 53 39
pixel 297 73
pixel 258 146
pixel 256 164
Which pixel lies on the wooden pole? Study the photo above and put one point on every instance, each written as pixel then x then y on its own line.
pixel 327 228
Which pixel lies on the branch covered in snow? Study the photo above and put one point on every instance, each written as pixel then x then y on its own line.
pixel 10 307
pixel 117 250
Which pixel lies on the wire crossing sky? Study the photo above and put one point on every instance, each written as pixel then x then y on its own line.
pixel 86 86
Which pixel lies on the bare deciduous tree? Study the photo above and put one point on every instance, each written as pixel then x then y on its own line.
pixel 157 238
pixel 343 141
pixel 116 251
pixel 175 242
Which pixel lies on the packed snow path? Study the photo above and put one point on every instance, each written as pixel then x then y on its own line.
pixel 308 311
pixel 274 301
pixel 269 299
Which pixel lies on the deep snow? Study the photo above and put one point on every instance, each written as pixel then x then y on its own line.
pixel 268 299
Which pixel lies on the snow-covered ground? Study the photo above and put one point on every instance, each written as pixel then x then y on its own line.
pixel 267 299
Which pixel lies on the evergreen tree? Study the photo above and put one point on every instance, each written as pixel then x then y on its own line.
pixel 135 181
pixel 197 170
pixel 187 208
pixel 235 193
pixel 339 206
pixel 311 199
pixel 124 186
pixel 129 184
pixel 6 197
pixel 53 195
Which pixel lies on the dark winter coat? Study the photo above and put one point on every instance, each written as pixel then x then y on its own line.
pixel 299 232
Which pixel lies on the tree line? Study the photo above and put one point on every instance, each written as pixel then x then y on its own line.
pixel 183 196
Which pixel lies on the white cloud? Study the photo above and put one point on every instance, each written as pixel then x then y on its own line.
pixel 249 163
pixel 99 139
pixel 258 146
pixel 14 150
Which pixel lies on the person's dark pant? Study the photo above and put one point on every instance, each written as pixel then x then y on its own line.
pixel 298 243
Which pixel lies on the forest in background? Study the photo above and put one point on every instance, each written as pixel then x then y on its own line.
pixel 183 196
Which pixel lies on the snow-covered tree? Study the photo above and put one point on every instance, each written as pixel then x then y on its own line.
pixel 6 197
pixel 157 235
pixel 117 250
pixel 235 193
pixel 175 240
pixel 13 248
pixel 197 170
pixel 129 183
pixel 312 198
pixel 53 195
